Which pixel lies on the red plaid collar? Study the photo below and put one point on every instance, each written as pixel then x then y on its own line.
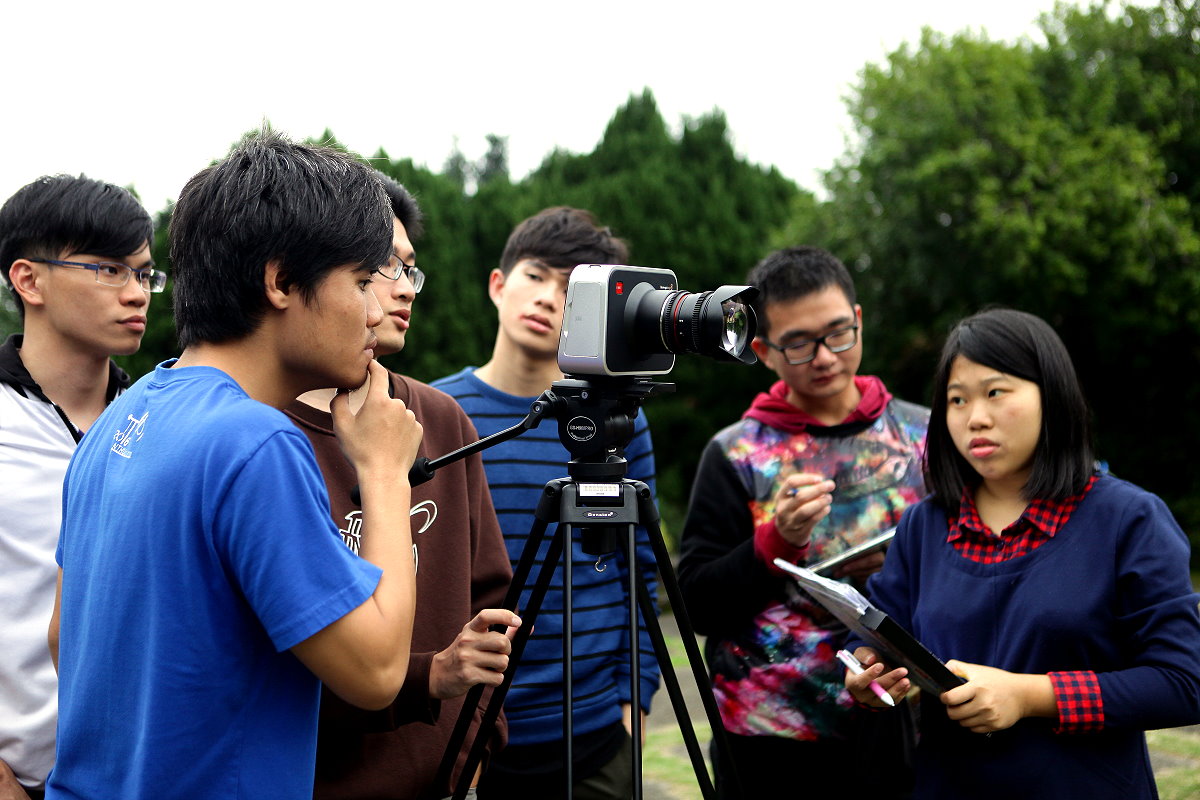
pixel 1046 516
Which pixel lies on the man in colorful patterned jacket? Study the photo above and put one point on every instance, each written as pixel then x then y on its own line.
pixel 821 462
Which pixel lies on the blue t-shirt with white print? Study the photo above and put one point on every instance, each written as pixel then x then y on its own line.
pixel 196 549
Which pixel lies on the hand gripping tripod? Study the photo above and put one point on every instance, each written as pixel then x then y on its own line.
pixel 595 423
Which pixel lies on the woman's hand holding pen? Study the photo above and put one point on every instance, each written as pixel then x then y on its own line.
pixel 894 682
pixel 994 699
pixel 802 502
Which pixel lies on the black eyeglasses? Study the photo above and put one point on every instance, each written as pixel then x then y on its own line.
pixel 804 351
pixel 395 268
pixel 110 273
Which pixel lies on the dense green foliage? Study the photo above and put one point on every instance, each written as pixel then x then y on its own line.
pixel 1058 177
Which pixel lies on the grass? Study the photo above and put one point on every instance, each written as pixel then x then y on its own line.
pixel 1180 748
pixel 665 761
pixel 666 767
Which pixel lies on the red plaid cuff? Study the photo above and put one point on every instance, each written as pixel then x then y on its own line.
pixel 770 545
pixel 1080 706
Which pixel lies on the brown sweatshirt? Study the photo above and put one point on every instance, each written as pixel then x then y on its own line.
pixel 462 567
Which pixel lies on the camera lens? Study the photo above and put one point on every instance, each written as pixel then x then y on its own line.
pixel 717 324
pixel 737 326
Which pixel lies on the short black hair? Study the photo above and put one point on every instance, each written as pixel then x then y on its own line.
pixel 65 214
pixel 1019 344
pixel 795 272
pixel 404 206
pixel 311 209
pixel 563 237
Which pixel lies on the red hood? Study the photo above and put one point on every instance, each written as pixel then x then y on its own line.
pixel 772 407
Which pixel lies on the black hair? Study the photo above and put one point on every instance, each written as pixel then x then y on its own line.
pixel 563 237
pixel 1022 345
pixel 311 209
pixel 404 206
pixel 795 272
pixel 65 214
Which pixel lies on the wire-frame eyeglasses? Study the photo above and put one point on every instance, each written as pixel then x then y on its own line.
pixel 110 273
pixel 394 268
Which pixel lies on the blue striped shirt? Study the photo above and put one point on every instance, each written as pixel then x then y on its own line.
pixel 517 472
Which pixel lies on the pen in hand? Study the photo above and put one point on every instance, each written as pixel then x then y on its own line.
pixel 856 668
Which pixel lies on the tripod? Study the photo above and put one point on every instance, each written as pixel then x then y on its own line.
pixel 596 422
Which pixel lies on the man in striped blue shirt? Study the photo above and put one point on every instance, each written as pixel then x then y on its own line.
pixel 529 291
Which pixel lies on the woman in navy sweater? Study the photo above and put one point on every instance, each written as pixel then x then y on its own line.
pixel 1062 595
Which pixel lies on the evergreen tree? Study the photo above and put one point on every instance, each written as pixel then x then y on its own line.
pixel 10 320
pixel 494 164
pixel 1056 179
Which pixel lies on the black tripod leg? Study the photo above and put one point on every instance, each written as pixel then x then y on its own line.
pixel 467 713
pixel 649 515
pixel 678 703
pixel 496 701
pixel 636 588
pixel 568 650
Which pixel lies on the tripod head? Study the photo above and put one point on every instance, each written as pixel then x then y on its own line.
pixel 595 423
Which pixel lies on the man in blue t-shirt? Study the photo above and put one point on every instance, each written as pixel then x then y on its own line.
pixel 529 291
pixel 204 592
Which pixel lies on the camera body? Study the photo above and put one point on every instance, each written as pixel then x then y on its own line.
pixel 624 320
pixel 597 298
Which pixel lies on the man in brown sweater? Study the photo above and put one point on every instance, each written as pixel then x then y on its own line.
pixel 462 572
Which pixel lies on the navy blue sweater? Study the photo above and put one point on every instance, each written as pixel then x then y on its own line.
pixel 1110 593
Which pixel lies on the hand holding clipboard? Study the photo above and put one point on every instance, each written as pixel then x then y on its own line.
pixel 894 644
pixel 873 545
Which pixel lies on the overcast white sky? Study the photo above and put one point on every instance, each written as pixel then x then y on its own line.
pixel 145 93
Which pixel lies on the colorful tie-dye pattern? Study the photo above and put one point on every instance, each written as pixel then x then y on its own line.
pixel 779 676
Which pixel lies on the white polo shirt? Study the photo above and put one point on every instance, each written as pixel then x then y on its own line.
pixel 36 444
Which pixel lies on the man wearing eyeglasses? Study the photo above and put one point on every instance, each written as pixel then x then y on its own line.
pixel 76 258
pixel 462 569
pixel 821 462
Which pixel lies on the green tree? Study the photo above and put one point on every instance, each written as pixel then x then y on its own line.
pixel 1050 178
pixel 494 164
pixel 159 341
pixel 10 320
pixel 457 167
pixel 449 328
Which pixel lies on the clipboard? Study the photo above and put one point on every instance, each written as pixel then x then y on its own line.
pixel 825 568
pixel 895 645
